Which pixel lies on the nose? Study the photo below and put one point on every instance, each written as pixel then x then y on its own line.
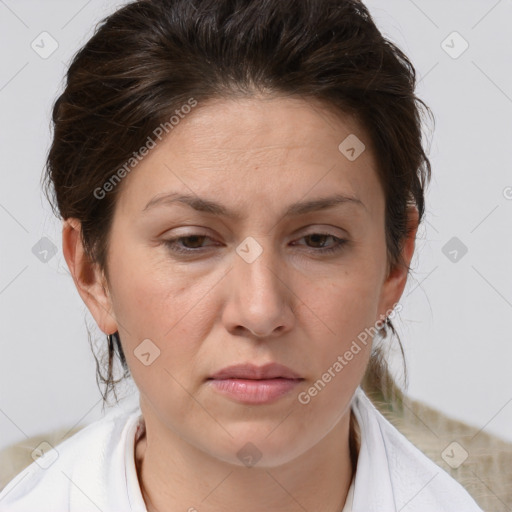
pixel 260 300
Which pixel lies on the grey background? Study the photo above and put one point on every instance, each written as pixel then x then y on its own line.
pixel 455 325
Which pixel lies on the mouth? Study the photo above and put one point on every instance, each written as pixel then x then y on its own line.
pixel 250 384
pixel 253 372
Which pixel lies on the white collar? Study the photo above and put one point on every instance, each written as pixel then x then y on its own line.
pixel 394 475
pixel 95 469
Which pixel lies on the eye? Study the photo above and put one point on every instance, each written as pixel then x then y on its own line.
pixel 195 240
pixel 319 238
pixel 193 244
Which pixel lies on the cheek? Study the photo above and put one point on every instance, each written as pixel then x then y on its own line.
pixel 163 303
pixel 350 298
pixel 341 316
pixel 170 303
pixel 148 291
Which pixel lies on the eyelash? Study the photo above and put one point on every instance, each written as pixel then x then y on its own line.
pixel 340 243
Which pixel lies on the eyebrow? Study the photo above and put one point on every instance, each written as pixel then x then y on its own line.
pixel 213 208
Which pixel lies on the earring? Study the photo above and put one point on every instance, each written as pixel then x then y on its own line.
pixel 384 329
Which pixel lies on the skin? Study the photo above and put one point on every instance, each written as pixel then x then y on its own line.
pixel 292 305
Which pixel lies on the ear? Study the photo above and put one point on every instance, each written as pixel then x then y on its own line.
pixel 396 278
pixel 89 280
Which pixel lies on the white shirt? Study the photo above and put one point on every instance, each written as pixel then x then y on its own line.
pixel 94 470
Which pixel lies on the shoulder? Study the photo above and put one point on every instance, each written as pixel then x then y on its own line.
pixel 417 483
pixel 74 474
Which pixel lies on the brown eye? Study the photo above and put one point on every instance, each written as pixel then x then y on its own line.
pixel 192 243
pixel 320 239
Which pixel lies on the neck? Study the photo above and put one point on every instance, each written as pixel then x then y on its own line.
pixel 174 475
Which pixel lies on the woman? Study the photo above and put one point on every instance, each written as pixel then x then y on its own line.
pixel 241 184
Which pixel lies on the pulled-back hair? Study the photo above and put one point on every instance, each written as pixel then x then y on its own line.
pixel 150 57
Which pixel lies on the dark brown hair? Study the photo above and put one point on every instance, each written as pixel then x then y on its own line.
pixel 150 57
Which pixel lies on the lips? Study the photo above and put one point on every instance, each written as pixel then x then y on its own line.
pixel 252 372
pixel 255 385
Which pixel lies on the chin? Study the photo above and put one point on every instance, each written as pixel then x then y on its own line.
pixel 253 448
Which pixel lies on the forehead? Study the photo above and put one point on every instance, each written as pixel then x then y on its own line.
pixel 263 150
pixel 263 127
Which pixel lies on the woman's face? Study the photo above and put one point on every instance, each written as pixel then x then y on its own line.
pixel 255 274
